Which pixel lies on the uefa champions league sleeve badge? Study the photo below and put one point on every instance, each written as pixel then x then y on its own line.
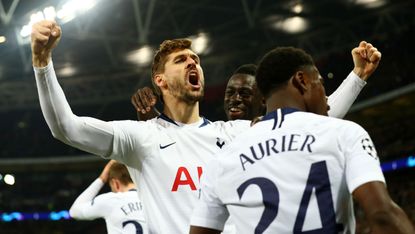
pixel 368 146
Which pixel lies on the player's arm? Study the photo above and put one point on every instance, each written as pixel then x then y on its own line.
pixel 88 134
pixel 383 215
pixel 84 207
pixel 144 102
pixel 209 214
pixel 366 59
pixel 366 182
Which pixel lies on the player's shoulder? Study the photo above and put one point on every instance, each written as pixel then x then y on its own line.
pixel 111 198
pixel 133 124
pixel 329 122
pixel 232 123
pixel 106 196
pixel 104 200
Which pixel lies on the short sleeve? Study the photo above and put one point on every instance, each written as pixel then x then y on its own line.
pixel 362 162
pixel 209 211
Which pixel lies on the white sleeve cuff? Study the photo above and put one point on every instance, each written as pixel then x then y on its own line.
pixel 44 70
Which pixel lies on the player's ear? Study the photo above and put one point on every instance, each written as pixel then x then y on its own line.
pixel 117 184
pixel 159 80
pixel 300 81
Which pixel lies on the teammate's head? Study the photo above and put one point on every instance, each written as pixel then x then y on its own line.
pixel 176 71
pixel 291 71
pixel 242 98
pixel 118 177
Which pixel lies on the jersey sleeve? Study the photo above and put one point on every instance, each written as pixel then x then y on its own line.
pixel 342 99
pixel 362 162
pixel 133 141
pixel 88 205
pixel 89 134
pixel 209 211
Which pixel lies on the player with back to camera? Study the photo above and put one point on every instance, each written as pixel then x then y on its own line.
pixel 297 170
pixel 165 156
pixel 121 208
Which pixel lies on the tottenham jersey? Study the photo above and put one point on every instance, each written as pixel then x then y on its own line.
pixel 293 172
pixel 166 159
pixel 122 211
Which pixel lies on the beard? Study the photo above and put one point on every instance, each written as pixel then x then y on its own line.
pixel 179 91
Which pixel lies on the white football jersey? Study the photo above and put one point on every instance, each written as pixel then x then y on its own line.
pixel 166 159
pixel 123 211
pixel 292 172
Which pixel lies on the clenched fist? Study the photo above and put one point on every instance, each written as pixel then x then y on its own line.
pixel 366 59
pixel 45 36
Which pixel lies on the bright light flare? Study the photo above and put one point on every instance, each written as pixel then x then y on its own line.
pixel 292 25
pixel 297 8
pixel 200 43
pixel 67 70
pixel 9 179
pixel 70 9
pixel 2 39
pixel 142 56
pixel 370 3
pixel 48 13
pixel 66 13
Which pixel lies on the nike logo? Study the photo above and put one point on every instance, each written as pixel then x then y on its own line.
pixel 165 146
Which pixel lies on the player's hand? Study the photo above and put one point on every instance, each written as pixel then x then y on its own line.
pixel 366 59
pixel 144 100
pixel 45 36
pixel 256 120
pixel 105 172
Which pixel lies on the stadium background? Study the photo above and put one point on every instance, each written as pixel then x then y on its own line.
pixel 103 58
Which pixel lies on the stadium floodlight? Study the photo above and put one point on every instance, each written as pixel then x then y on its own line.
pixel 9 179
pixel 35 17
pixel 141 56
pixel 71 8
pixel 67 70
pixel 292 25
pixel 297 8
pixel 370 3
pixel 200 43
pixel 66 13
pixel 2 39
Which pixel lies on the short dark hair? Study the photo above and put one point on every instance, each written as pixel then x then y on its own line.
pixel 249 69
pixel 119 171
pixel 160 58
pixel 277 67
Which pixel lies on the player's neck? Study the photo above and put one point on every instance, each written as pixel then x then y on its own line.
pixel 126 188
pixel 284 98
pixel 182 112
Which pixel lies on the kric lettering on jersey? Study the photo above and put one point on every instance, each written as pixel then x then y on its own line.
pixel 131 207
pixel 183 178
pixel 285 143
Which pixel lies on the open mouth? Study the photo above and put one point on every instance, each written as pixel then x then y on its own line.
pixel 235 110
pixel 193 78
